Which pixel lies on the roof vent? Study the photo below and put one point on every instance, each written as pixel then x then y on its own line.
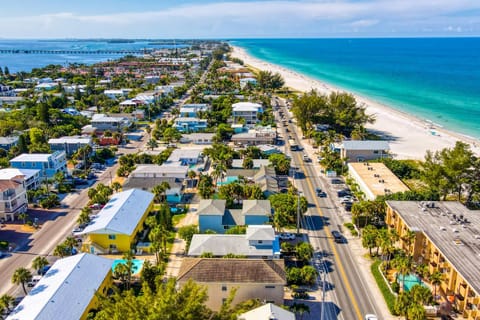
pixel 454 230
pixel 443 229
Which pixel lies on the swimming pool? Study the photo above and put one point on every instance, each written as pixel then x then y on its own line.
pixel 137 264
pixel 409 281
pixel 227 180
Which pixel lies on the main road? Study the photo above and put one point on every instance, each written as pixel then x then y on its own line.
pixel 52 232
pixel 347 292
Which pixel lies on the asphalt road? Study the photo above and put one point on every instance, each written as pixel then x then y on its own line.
pixel 52 232
pixel 347 293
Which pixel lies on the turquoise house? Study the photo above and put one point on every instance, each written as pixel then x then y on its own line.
pixel 213 214
pixel 47 163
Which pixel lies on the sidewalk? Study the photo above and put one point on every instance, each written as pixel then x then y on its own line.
pixel 178 249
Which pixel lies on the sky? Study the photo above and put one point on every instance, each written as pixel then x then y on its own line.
pixel 33 19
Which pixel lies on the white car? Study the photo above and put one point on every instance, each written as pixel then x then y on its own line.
pixel 370 317
pixel 287 236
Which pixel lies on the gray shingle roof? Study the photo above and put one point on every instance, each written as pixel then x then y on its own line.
pixel 256 207
pixel 211 207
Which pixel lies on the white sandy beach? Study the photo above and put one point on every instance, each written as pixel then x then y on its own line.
pixel 409 136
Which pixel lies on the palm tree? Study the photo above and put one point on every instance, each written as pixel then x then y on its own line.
pixel 70 243
pixel 160 191
pixel 191 175
pixel 128 257
pixel 84 216
pixel 6 302
pixel 39 263
pixel 436 278
pixel 116 186
pixel 404 266
pixel 409 239
pixel 21 276
pixel 148 129
pixel 300 309
pixel 61 251
pixel 23 216
pixel 152 144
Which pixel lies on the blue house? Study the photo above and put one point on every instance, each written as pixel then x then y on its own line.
pixel 47 163
pixel 190 124
pixel 213 214
pixel 192 110
pixel 8 142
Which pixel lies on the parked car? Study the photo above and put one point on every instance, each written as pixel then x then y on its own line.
pixel 347 199
pixel 370 317
pixel 300 295
pixel 287 236
pixel 77 230
pixel 338 237
pixel 306 158
pixel 33 281
pixel 344 192
pixel 44 270
pixel 322 194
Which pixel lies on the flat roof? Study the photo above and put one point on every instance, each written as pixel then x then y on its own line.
pixel 246 106
pixel 268 311
pixel 32 157
pixel 79 140
pixel 458 242
pixel 190 153
pixel 365 145
pixel 376 178
pixel 223 244
pixel 66 290
pixel 9 173
pixel 122 213
pixel 162 169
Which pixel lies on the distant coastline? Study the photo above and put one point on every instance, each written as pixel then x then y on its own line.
pixel 410 136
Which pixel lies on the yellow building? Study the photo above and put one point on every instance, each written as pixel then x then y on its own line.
pixel 67 291
pixel 262 279
pixel 375 179
pixel 116 226
pixel 447 239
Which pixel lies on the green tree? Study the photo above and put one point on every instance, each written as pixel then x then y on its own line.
pixel 436 278
pixel 21 276
pixel 186 233
pixel 402 304
pixel 369 238
pixel 39 263
pixel 6 302
pixel 61 251
pixel 152 144
pixel 247 163
pixel 23 216
pixel 304 251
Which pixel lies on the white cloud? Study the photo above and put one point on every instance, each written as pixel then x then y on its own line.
pixel 259 18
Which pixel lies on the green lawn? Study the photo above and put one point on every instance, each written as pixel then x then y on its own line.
pixel 176 218
pixel 383 286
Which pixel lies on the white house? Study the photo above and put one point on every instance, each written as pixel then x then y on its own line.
pixel 247 110
pixel 13 198
pixel 116 93
pixel 69 144
pixel 31 177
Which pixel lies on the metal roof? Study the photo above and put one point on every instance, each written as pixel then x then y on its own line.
pixel 66 290
pixel 365 145
pixel 122 213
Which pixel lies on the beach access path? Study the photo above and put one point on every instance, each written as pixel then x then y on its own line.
pixel 409 137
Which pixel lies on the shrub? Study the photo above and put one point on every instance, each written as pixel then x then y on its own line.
pixel 395 286
pixel 383 286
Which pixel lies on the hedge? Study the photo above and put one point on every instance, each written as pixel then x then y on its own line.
pixel 383 286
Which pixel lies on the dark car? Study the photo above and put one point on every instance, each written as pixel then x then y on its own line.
pixel 344 193
pixel 338 237
pixel 322 194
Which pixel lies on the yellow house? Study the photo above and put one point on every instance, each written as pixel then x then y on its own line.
pixel 67 291
pixel 447 239
pixel 118 223
pixel 262 279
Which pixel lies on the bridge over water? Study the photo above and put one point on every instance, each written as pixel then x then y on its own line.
pixel 83 52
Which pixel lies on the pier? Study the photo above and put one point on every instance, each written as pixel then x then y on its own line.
pixel 82 52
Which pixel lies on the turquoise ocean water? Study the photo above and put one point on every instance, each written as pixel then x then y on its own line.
pixel 436 79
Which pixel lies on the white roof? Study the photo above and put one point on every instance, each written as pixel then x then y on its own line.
pixel 66 290
pixel 179 154
pixel 79 140
pixel 223 244
pixel 246 106
pixel 118 91
pixel 32 157
pixel 260 232
pixel 122 213
pixel 366 145
pixel 268 311
pixel 160 170
pixel 9 173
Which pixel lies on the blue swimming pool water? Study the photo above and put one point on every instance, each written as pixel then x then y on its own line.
pixel 227 180
pixel 409 281
pixel 137 264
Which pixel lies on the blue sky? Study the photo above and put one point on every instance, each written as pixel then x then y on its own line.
pixel 238 19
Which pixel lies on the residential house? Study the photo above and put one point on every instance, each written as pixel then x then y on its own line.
pixel 46 86
pixel 31 178
pixel 70 144
pixel 7 142
pixel 251 278
pixel 247 81
pixel 269 149
pixel 48 163
pixel 257 163
pixel 248 111
pixel 188 125
pixel 268 311
pixel 164 90
pixel 256 136
pixel 117 225
pixel 152 79
pixel 259 242
pixel 147 176
pixel 138 114
pixel 68 290
pixel 193 110
pixel 198 138
pixel 116 94
pixel 185 157
pixel 375 179
pixel 213 214
pixel 362 150
pixel 6 91
pixel 446 237
pixel 102 122
pixel 13 198
pixel 267 180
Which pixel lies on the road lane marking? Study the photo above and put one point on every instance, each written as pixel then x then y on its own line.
pixel 353 300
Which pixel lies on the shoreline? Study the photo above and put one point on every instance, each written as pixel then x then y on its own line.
pixel 409 136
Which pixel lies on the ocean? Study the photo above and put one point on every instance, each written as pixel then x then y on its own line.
pixel 435 79
pixel 26 62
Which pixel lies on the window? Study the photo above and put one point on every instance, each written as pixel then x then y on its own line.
pixel 111 237
pixel 113 247
pixel 269 287
pixel 260 241
pixel 375 151
pixel 224 287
